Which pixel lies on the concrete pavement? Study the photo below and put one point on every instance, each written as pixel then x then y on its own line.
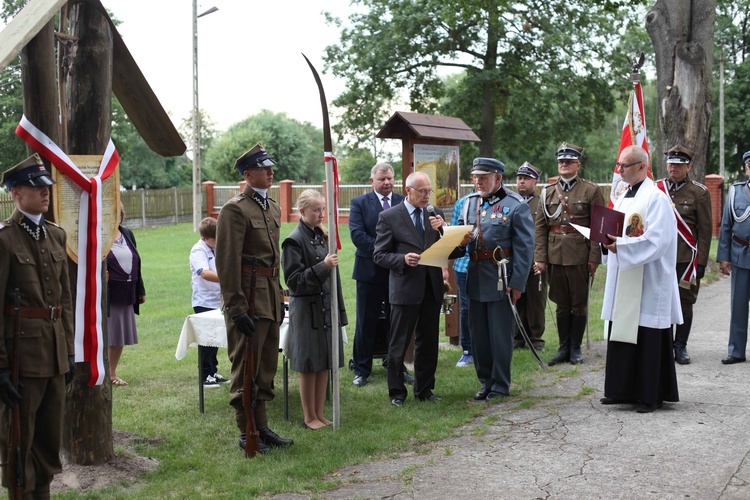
pixel 571 446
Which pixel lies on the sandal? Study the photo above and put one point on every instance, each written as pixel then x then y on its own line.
pixel 119 381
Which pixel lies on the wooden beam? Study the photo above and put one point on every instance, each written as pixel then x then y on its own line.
pixel 25 26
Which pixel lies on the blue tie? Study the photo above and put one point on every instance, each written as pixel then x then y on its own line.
pixel 418 222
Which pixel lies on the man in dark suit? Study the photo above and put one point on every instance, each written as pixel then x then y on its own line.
pixel 415 292
pixel 372 280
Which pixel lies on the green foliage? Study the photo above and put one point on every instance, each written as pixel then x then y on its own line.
pixel 296 147
pixel 733 46
pixel 541 63
pixel 141 167
pixel 356 165
pixel 12 149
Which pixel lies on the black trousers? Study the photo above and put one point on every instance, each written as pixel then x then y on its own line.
pixel 370 297
pixel 209 361
pixel 424 320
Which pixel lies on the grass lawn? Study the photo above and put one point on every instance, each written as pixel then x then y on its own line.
pixel 199 454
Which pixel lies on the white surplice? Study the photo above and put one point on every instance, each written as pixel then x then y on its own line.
pixel 656 252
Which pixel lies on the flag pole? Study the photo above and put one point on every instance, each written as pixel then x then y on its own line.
pixel 333 244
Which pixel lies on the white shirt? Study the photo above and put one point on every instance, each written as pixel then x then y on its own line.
pixel 205 293
pixel 656 251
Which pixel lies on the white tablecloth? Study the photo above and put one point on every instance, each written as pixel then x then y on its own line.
pixel 208 329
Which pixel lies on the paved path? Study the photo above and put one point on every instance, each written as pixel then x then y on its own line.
pixel 570 446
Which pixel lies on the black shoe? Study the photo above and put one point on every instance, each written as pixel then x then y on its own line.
pixel 681 355
pixel 397 402
pixel 262 447
pixel 360 381
pixel 481 394
pixel 495 395
pixel 644 408
pixel 612 401
pixel 730 360
pixel 562 356
pixel 272 439
pixel 408 379
pixel 431 398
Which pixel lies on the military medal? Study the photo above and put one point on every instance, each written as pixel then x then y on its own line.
pixel 505 218
pixel 493 216
pixel 484 212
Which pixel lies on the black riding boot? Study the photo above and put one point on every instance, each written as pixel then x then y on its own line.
pixel 577 329
pixel 682 332
pixel 563 333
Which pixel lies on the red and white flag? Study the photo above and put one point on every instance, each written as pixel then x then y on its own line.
pixel 633 134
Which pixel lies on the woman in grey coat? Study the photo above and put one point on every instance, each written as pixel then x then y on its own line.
pixel 307 269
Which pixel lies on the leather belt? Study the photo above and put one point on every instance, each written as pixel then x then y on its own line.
pixel 260 271
pixel 562 229
pixel 742 242
pixel 489 254
pixel 50 312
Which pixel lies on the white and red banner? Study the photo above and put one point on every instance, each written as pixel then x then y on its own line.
pixel 334 176
pixel 633 134
pixel 89 343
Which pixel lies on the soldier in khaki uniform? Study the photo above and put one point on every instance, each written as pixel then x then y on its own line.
pixel 564 254
pixel 692 207
pixel 33 260
pixel 247 244
pixel 532 303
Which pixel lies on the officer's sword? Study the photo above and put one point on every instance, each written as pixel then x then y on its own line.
pixel 503 265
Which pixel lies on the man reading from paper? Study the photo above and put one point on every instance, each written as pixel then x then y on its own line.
pixel 641 283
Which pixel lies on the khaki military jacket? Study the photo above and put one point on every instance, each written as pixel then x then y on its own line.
pixel 246 233
pixel 571 248
pixel 39 269
pixel 693 202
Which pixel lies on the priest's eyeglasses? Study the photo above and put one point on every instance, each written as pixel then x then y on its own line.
pixel 626 165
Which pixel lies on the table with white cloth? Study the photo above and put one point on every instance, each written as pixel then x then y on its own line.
pixel 207 329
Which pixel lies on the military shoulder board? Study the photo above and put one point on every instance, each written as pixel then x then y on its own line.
pixel 700 185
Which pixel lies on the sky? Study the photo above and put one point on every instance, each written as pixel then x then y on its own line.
pixel 249 55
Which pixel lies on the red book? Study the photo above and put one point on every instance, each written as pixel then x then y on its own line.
pixel 606 221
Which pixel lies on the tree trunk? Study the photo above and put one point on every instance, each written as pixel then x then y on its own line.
pixel 87 437
pixel 489 87
pixel 682 32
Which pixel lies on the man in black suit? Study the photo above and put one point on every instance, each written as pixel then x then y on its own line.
pixel 372 280
pixel 415 292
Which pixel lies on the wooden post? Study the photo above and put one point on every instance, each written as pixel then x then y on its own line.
pixel 176 206
pixel 143 207
pixel 210 199
pixel 87 435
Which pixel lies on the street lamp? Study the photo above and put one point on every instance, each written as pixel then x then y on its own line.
pixel 197 188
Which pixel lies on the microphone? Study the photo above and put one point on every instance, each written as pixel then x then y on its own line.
pixel 431 213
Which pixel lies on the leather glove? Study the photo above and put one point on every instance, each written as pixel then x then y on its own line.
pixel 8 393
pixel 700 272
pixel 71 370
pixel 244 324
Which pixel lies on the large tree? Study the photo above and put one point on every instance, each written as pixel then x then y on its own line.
pixel 521 60
pixel 682 32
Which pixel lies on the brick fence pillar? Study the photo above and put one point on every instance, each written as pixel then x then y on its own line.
pixel 715 185
pixel 285 200
pixel 211 211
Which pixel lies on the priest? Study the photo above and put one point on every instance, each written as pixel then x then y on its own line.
pixel 641 283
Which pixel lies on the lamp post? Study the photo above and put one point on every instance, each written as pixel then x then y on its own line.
pixel 197 189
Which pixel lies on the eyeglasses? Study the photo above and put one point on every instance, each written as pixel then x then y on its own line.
pixel 626 165
pixel 424 192
pixel 567 162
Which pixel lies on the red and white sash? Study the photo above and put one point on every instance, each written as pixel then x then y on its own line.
pixel 89 344
pixel 691 272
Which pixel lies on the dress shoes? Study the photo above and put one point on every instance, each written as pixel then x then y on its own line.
pixel 397 402
pixel 481 394
pixel 408 379
pixel 730 360
pixel 681 355
pixel 272 439
pixel 492 395
pixel 612 401
pixel 432 398
pixel 359 381
pixel 644 408
pixel 262 447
